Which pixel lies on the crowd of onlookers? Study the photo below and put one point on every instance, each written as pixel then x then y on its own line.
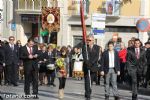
pixel 47 76
pixel 48 63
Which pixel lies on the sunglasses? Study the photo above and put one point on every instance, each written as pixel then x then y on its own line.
pixel 89 40
pixel 11 39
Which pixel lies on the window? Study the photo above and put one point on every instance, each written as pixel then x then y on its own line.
pixel 77 41
pixel 54 3
pixel 74 6
pixel 21 4
pixel 121 29
pixel 44 3
pixel 112 7
pixel 29 4
pixel 37 4
pixel 149 34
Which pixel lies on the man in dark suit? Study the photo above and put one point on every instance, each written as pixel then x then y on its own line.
pixel 147 46
pixel 2 62
pixel 11 61
pixel 51 60
pixel 29 56
pixel 136 65
pixel 110 67
pixel 90 65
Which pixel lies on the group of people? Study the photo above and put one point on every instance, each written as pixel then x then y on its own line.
pixel 117 63
pixel 40 64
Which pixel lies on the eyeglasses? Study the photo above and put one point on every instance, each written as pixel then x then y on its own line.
pixel 11 39
pixel 89 40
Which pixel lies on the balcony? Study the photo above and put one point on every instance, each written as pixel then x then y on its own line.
pixel 34 6
pixel 74 7
pixel 111 8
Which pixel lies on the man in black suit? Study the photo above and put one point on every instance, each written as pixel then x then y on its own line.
pixel 136 65
pixel 90 65
pixel 110 67
pixel 11 61
pixel 29 56
pixel 147 47
pixel 2 62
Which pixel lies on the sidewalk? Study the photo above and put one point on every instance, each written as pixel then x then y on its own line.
pixel 143 91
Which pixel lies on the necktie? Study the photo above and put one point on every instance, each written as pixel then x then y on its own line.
pixel 137 54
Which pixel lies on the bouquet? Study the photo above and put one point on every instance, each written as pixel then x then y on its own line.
pixel 60 63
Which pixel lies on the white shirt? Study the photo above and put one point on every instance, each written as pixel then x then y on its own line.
pixel 49 53
pixel 111 59
pixel 29 49
pixel 11 45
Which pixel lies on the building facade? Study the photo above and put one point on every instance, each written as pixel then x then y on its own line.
pixel 6 18
pixel 121 20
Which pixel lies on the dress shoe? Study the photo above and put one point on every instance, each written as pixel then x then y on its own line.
pixel 1 98
pixel 88 99
pixel 106 97
pixel 7 84
pixel 53 85
pixel 35 97
pixel 48 84
pixel 15 84
pixel 134 97
pixel 117 98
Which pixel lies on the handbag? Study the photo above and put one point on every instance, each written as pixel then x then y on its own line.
pixel 50 66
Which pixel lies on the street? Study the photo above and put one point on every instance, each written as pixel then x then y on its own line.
pixel 74 91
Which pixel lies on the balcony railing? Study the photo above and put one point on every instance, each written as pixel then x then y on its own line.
pixel 35 5
pixel 111 8
pixel 74 7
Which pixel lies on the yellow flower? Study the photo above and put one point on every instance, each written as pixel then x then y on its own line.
pixel 60 62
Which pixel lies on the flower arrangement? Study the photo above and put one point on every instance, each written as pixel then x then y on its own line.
pixel 60 63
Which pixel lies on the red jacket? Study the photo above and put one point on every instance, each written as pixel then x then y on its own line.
pixel 122 55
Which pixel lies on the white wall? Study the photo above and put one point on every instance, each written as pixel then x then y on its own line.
pixel 1 22
pixel 65 36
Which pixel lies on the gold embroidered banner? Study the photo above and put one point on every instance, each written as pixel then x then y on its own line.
pixel 51 19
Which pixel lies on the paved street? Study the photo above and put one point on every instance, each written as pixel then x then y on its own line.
pixel 74 91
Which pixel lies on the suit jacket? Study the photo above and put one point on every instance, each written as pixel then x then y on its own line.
pixel 93 56
pixel 29 64
pixel 148 56
pixel 2 56
pixel 11 56
pixel 42 56
pixel 105 62
pixel 51 58
pixel 138 66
